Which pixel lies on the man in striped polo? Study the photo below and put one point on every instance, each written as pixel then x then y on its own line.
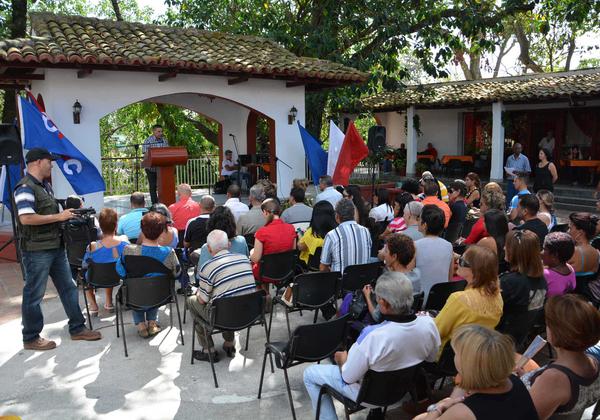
pixel 224 275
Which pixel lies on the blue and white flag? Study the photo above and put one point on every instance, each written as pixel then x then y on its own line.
pixel 317 157
pixel 9 179
pixel 37 130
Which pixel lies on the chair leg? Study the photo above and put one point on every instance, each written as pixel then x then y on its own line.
pixel 267 337
pixel 178 319
pixel 123 332
pixel 193 339
pixel 210 357
pixel 289 391
pixel 87 309
pixel 262 372
pixel 184 309
pixel 117 316
pixel 270 322
pixel 322 391
pixel 171 314
pixel 287 321
pixel 316 316
pixel 443 381
pixel 596 411
pixel 247 339
pixel 346 412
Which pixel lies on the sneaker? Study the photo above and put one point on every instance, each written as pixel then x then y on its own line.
pixel 203 357
pixel 87 335
pixel 229 350
pixel 39 344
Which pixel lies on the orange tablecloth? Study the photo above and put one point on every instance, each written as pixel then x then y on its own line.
pixel 581 163
pixel 462 158
pixel 430 157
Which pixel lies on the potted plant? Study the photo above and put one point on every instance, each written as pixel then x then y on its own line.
pixel 399 165
pixel 420 167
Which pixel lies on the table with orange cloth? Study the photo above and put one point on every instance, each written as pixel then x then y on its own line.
pixel 463 158
pixel 431 158
pixel 581 163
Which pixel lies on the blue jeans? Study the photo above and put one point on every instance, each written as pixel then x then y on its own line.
pixel 510 193
pixel 38 265
pixel 317 375
pixel 143 316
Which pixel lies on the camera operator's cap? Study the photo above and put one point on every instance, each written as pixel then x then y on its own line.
pixel 38 153
pixel 426 176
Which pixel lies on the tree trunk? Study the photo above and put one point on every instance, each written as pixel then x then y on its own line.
pixel 570 52
pixel 117 9
pixel 524 56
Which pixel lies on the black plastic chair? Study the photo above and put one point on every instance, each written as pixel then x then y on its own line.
pixel 441 369
pixel 311 291
pixel 99 276
pixel 418 299
pixel 140 291
pixel 309 343
pixel 278 269
pixel 519 325
pixel 355 277
pixel 439 293
pixel 582 287
pixel 234 313
pixel 380 389
pixel 453 232
pixel 249 237
pixel 560 227
pixel 314 260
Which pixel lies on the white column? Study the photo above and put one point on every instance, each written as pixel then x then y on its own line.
pixel 411 142
pixel 497 166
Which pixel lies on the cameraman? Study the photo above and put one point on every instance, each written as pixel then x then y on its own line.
pixel 44 254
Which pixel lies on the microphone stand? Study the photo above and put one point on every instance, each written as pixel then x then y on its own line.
pixel 237 153
pixel 135 162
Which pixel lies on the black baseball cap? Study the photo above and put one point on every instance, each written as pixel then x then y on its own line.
pixel 38 153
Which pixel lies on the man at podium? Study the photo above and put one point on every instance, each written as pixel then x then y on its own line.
pixel 155 140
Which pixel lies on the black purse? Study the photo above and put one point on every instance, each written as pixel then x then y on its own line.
pixel 358 305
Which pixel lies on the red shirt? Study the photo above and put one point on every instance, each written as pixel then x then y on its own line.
pixel 275 237
pixel 182 211
pixel 478 232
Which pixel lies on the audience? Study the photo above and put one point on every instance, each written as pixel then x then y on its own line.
pixel 481 302
pixel 560 276
pixel 321 223
pixel 225 275
pixel 412 187
pixel 347 244
pixel 412 218
pixel 327 191
pixel 153 225
pixel 222 219
pixel 496 226
pixel 269 188
pixel 398 224
pixel 442 190
pixel 570 383
pixel 529 206
pixel 546 213
pixel 484 359
pixel 398 254
pixel 383 210
pixel 129 224
pixel 458 206
pixel 300 183
pixel 107 250
pixel 183 210
pixel 430 190
pixel 352 192
pixel 250 222
pixel 491 198
pixel 170 237
pixel 520 186
pixel 402 340
pixel 582 228
pixel 196 229
pixel 473 196
pixel 233 202
pixel 298 211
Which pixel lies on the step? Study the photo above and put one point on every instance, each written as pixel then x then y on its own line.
pixel 575 207
pixel 582 201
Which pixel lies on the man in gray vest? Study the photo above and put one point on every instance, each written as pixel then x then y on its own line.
pixel 43 253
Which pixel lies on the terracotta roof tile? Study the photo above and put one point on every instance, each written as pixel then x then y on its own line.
pixel 76 40
pixel 545 86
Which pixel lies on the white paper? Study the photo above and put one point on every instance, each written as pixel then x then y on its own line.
pixel 536 345
pixel 510 171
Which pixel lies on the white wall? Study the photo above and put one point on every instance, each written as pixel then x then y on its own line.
pixel 440 127
pixel 103 92
pixel 395 128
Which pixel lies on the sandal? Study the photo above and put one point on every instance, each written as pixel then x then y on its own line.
pixel 154 329
pixel 93 312
pixel 109 308
pixel 143 332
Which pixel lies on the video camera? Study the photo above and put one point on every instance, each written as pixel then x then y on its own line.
pixel 78 232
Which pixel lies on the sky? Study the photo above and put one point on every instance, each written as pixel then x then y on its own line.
pixel 158 6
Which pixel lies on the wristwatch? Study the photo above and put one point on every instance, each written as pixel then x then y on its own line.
pixel 434 408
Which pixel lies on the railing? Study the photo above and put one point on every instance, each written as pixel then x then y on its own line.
pixel 364 171
pixel 125 175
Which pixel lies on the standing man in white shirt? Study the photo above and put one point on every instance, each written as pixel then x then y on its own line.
pixel 233 202
pixel 327 191
pixel 519 163
pixel 547 142
pixel 231 170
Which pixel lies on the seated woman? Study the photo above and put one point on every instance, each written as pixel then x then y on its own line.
pixel 352 192
pixel 570 383
pixel 321 222
pixel 546 213
pixel 169 237
pixel 481 302
pixel 222 219
pixel 473 197
pixel 107 250
pixel 153 225
pixel 491 198
pixel 582 228
pixel 560 276
pixel 383 210
pixel 274 237
pixel 398 224
pixel 484 359
pixel 496 225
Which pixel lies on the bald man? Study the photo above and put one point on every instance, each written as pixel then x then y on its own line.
pixel 184 209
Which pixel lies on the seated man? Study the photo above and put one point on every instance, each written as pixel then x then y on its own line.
pixel 402 340
pixel 520 185
pixel 529 207
pixel 250 222
pixel 195 230
pixel 231 170
pixel 130 223
pixel 431 191
pixel 233 202
pixel 224 275
pixel 183 210
pixel 328 192
pixel 298 211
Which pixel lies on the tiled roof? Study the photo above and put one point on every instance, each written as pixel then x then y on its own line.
pixel 76 41
pixel 535 87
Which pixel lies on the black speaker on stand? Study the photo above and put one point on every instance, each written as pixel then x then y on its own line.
pixel 376 144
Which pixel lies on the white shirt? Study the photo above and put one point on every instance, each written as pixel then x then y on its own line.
pixel 433 258
pixel 224 171
pixel 237 207
pixel 391 346
pixel 382 212
pixel 330 194
pixel 547 143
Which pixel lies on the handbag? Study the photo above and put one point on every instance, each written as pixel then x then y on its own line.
pixel 358 305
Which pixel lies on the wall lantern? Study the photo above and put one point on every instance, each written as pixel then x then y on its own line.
pixel 76 112
pixel 292 115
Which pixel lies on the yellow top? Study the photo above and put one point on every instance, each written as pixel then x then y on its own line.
pixel 468 307
pixel 312 242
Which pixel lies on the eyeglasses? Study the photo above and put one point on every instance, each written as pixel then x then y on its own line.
pixel 462 262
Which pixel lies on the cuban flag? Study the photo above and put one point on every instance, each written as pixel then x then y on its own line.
pixel 37 130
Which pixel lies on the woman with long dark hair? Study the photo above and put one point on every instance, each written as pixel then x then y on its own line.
pixel 473 197
pixel 322 221
pixel 352 192
pixel 222 219
pixel 384 208
pixel 545 172
pixel 496 225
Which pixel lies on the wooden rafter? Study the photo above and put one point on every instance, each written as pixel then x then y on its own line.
pixel 294 84
pixel 10 77
pixel 237 80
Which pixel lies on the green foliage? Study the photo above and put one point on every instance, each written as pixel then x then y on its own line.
pixel 102 9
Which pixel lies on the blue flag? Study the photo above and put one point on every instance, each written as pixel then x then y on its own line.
pixel 40 131
pixel 317 157
pixel 9 179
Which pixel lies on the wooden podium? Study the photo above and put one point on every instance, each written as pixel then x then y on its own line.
pixel 164 160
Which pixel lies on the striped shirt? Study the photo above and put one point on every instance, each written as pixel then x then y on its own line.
pixel 152 142
pixel 25 198
pixel 348 244
pixel 224 275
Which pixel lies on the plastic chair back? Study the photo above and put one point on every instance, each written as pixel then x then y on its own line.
pixel 313 290
pixel 560 227
pixel 314 261
pixel 249 237
pixel 153 291
pixel 386 388
pixel 278 268
pixel 453 232
pixel 140 266
pixel 418 299
pixel 238 312
pixel 439 293
pixel 103 275
pixel 314 342
pixel 355 277
pixel 519 325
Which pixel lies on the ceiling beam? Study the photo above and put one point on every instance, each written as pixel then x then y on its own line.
pixel 167 76
pixel 294 84
pixel 21 77
pixel 84 73
pixel 237 80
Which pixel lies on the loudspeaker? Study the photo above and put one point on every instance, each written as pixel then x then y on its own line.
pixel 376 140
pixel 10 146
